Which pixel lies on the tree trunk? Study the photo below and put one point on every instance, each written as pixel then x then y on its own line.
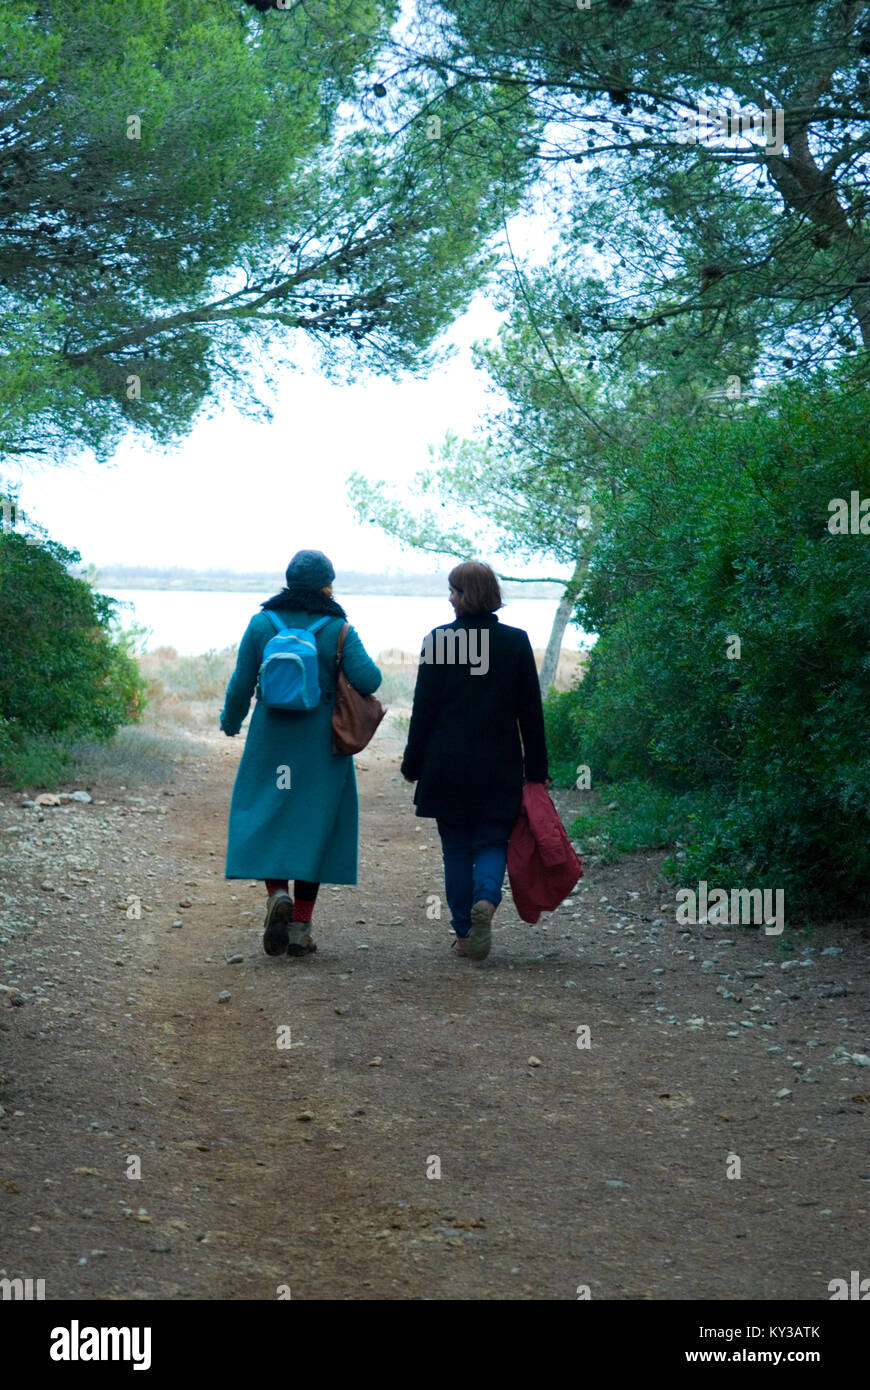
pixel 860 300
pixel 560 622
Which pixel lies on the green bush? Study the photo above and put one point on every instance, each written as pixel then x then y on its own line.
pixel 66 671
pixel 720 530
pixel 563 736
pixel 634 815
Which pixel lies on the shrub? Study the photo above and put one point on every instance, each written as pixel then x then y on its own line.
pixel 563 736
pixel 720 531
pixel 637 815
pixel 66 671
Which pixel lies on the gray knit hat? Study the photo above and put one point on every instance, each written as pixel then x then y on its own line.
pixel 310 569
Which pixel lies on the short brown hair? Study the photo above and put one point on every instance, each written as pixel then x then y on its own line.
pixel 476 586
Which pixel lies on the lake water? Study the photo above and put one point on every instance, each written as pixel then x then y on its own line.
pixel 195 621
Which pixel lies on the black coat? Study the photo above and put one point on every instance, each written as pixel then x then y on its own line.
pixel 464 749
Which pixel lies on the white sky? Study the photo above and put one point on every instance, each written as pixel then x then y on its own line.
pixel 242 495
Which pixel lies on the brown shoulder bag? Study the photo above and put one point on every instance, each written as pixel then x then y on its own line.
pixel 355 717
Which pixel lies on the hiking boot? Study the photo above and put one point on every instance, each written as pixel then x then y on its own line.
pixel 480 937
pixel 300 942
pixel 279 915
pixel 460 945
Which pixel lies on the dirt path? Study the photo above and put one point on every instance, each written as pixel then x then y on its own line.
pixel 312 1167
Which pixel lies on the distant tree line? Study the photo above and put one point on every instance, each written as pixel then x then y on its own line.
pixel 347 581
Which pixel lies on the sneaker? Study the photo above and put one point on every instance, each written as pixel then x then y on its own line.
pixel 279 915
pixel 480 937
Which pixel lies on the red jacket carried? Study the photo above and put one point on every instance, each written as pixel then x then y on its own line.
pixel 542 864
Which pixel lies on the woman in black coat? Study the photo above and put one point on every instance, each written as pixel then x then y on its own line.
pixel 477 697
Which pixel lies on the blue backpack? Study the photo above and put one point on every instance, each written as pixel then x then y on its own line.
pixel 288 672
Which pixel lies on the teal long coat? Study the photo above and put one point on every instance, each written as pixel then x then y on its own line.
pixel 311 829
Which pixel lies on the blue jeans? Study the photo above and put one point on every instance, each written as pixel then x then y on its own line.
pixel 475 857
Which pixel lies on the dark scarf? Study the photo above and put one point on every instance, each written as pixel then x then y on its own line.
pixel 305 601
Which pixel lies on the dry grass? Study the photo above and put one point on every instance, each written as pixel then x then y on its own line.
pixel 187 691
pixel 571 667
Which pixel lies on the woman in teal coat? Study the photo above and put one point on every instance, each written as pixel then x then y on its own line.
pixel 294 812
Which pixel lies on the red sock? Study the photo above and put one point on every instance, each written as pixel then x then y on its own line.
pixel 277 885
pixel 302 910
